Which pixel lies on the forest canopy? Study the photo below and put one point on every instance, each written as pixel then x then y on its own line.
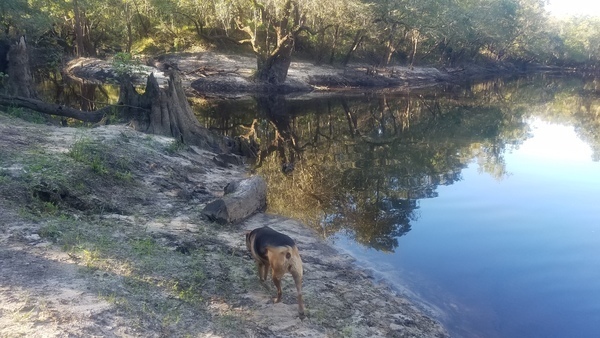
pixel 382 32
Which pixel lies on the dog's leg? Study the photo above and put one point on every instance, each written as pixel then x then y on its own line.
pixel 264 272
pixel 276 263
pixel 277 282
pixel 259 267
pixel 298 281
pixel 297 272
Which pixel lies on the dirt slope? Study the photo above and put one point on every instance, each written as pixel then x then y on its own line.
pixel 101 235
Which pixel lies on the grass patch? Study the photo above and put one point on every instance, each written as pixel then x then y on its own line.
pixel 188 293
pixel 4 175
pixel 51 232
pixel 101 158
pixel 26 114
pixel 175 147
pixel 90 153
pixel 144 247
pixel 45 184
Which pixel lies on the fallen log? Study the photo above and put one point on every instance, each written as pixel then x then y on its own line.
pixel 55 109
pixel 242 199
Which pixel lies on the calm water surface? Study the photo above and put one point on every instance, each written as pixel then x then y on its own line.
pixel 480 203
pixel 515 257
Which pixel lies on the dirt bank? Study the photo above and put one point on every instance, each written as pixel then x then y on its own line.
pixel 219 75
pixel 101 235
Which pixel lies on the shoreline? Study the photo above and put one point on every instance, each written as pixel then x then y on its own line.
pixel 153 199
pixel 123 250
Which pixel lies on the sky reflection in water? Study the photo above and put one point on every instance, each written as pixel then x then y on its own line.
pixel 511 257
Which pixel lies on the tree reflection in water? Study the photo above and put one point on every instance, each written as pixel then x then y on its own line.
pixel 360 164
pixel 80 94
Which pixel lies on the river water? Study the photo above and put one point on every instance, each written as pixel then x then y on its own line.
pixel 480 203
pixel 511 257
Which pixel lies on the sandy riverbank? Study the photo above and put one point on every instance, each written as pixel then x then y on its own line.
pixel 101 234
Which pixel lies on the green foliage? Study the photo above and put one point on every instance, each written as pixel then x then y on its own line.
pixel 125 65
pixel 397 31
pixel 148 45
pixel 49 208
pixel 175 147
pixel 580 39
pixel 189 294
pixel 124 176
pixel 18 17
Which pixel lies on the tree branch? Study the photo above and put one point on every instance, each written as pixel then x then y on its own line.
pixel 252 37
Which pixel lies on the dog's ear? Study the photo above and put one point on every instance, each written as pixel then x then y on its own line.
pixel 246 233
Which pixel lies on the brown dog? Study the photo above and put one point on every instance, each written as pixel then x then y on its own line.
pixel 270 248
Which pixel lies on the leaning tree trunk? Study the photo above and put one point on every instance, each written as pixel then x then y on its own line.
pixel 166 111
pixel 274 68
pixel 357 40
pixel 20 81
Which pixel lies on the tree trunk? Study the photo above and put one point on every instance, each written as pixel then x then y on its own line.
pixel 390 49
pixel 80 49
pixel 166 111
pixel 320 48
pixel 351 118
pixel 4 48
pixel 273 42
pixel 274 68
pixel 20 81
pixel 415 41
pixel 322 44
pixel 390 46
pixel 242 199
pixel 336 35
pixel 129 36
pixel 357 40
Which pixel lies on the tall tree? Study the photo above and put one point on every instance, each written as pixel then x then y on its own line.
pixel 272 27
